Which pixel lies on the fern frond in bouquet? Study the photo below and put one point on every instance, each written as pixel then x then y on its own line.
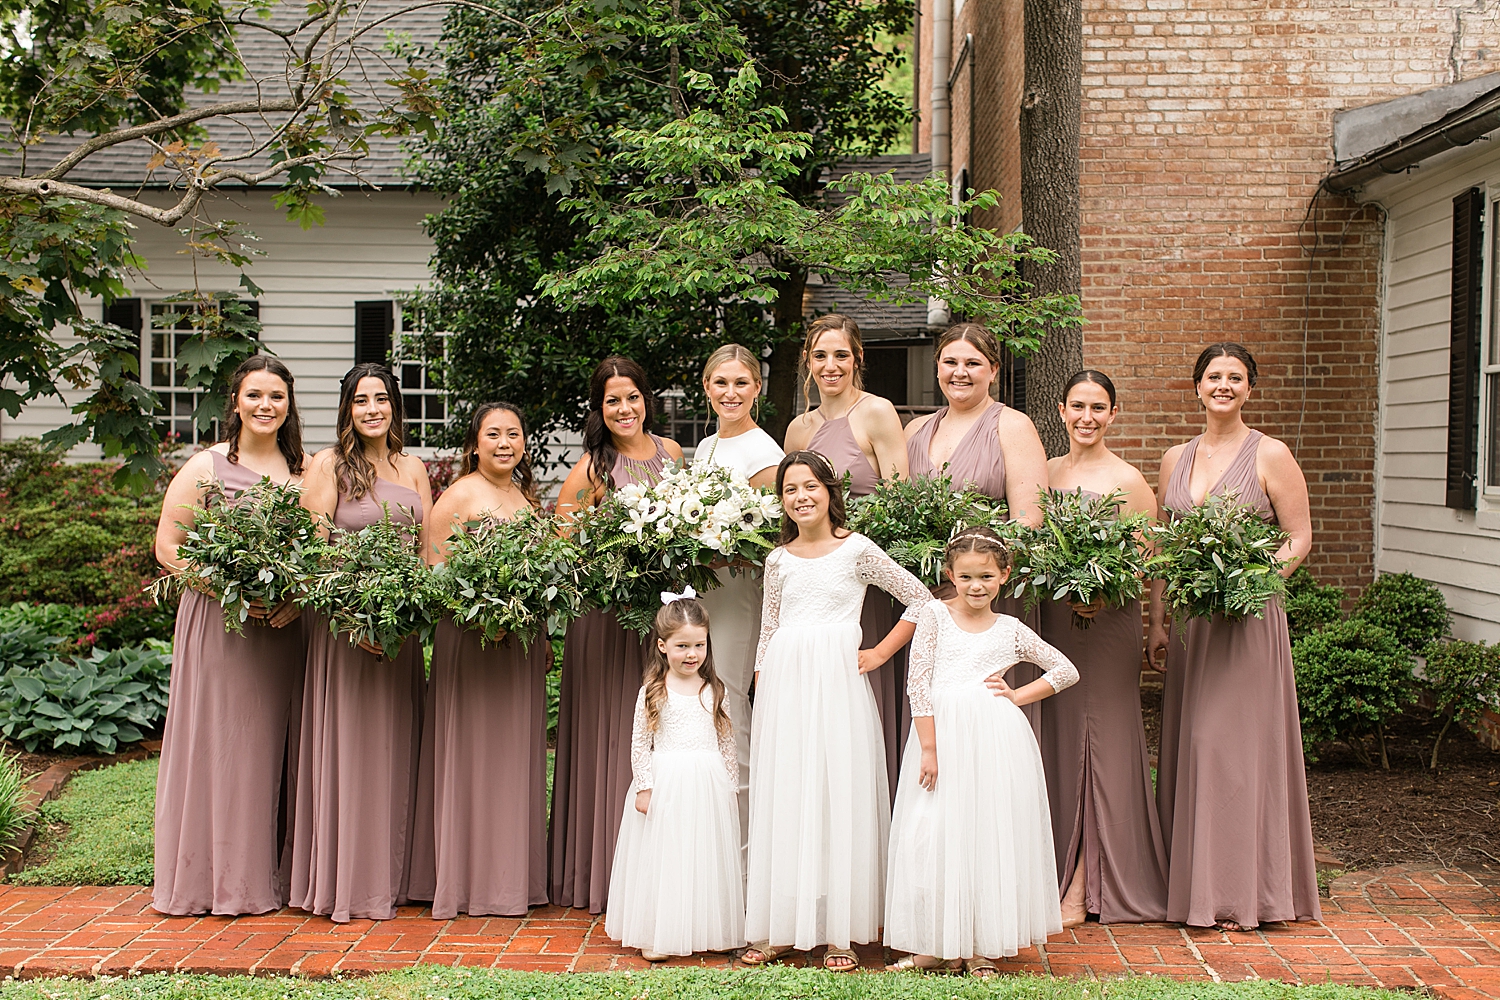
pixel 375 588
pixel 258 545
pixel 1219 558
pixel 511 577
pixel 1086 550
pixel 913 519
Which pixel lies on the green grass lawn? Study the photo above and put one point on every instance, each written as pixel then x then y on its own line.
pixel 108 840
pixel 441 983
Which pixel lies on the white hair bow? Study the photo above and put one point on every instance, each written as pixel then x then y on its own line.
pixel 688 593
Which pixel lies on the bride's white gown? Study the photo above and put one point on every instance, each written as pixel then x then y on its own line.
pixel 972 871
pixel 819 794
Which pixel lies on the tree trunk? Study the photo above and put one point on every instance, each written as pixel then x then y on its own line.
pixel 1050 107
pixel 781 383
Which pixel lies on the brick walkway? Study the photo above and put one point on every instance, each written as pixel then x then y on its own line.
pixel 1400 927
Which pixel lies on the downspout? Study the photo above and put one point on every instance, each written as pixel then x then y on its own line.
pixel 942 160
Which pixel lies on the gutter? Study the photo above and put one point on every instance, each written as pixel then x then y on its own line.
pixel 1460 128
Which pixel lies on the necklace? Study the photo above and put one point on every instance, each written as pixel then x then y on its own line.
pixel 1208 452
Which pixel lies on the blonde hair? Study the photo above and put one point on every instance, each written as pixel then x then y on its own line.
pixel 825 324
pixel 736 352
pixel 669 621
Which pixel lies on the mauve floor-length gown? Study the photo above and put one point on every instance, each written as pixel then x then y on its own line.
pixel 357 775
pixel 1231 786
pixel 601 675
pixel 480 844
pixel 224 748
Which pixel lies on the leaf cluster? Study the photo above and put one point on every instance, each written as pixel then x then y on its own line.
pixel 1087 549
pixel 1410 608
pixel 375 588
pixel 94 702
pixel 1311 605
pixel 1465 681
pixel 13 794
pixel 515 577
pixel 1352 678
pixel 253 546
pixel 913 519
pixel 1219 558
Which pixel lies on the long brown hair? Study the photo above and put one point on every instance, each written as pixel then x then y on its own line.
pixel 288 435
pixel 1225 349
pixel 351 469
pixel 669 620
pixel 521 475
pixel 981 539
pixel 824 324
pixel 822 469
pixel 598 442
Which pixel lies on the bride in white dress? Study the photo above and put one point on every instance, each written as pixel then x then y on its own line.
pixel 819 793
pixel 972 871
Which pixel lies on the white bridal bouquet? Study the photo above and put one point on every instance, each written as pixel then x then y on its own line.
pixel 644 539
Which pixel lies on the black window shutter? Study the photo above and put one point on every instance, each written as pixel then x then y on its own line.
pixel 127 314
pixel 373 325
pixel 1463 350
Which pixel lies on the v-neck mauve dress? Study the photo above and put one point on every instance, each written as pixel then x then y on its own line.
pixel 1098 773
pixel 357 777
pixel 222 757
pixel 978 463
pixel 834 440
pixel 1230 781
pixel 601 674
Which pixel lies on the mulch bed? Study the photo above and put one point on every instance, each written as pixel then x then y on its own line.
pixel 1407 815
pixel 36 763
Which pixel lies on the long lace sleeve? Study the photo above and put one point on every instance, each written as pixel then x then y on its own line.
pixel 729 753
pixel 923 658
pixel 1031 648
pixel 770 608
pixel 640 746
pixel 880 570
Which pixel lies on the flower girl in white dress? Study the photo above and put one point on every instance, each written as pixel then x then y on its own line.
pixel 677 886
pixel 972 874
pixel 819 795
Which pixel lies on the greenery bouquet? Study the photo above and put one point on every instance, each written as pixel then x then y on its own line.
pixel 644 539
pixel 913 519
pixel 511 577
pixel 259 546
pixel 1086 550
pixel 1219 558
pixel 375 588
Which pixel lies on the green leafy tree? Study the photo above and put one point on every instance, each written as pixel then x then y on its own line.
pixel 1465 682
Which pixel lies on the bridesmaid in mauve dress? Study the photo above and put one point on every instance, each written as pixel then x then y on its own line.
pixel 985 446
pixel 601 672
pixel 1231 787
pixel 224 748
pixel 1110 856
pixel 480 844
pixel 361 713
pixel 860 434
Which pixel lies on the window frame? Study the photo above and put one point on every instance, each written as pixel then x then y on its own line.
pixel 168 395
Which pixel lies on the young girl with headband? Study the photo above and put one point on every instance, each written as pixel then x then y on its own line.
pixel 972 875
pixel 677 886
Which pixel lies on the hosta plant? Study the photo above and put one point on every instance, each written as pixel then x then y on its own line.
pixel 512 577
pixel 375 588
pixel 95 702
pixel 1086 550
pixel 254 546
pixel 1219 558
pixel 913 519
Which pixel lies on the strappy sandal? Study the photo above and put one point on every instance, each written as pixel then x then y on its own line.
pixel 844 953
pixel 918 963
pixel 981 968
pixel 768 953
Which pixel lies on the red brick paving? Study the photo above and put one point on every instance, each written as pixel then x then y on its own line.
pixel 1398 927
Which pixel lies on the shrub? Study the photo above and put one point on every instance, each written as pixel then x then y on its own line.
pixel 12 792
pixel 1465 681
pixel 109 837
pixel 1311 605
pixel 1352 678
pixel 1408 607
pixel 100 700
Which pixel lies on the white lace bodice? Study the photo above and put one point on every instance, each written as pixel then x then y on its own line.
pixel 830 589
pixel 686 725
pixel 945 656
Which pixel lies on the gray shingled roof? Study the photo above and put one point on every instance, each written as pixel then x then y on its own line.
pixel 124 166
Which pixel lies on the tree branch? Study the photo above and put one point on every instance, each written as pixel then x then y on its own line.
pixel 47 188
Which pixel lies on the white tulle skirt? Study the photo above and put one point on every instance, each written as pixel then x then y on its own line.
pixel 819 794
pixel 677 887
pixel 972 870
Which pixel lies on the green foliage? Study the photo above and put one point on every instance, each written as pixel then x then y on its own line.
pixel 1352 678
pixel 13 818
pixel 1465 682
pixel 375 588
pixel 1219 558
pixel 512 577
pixel 259 546
pixel 31 634
pixel 913 519
pixel 1310 605
pixel 1408 607
pixel 94 702
pixel 1087 549
pixel 109 839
